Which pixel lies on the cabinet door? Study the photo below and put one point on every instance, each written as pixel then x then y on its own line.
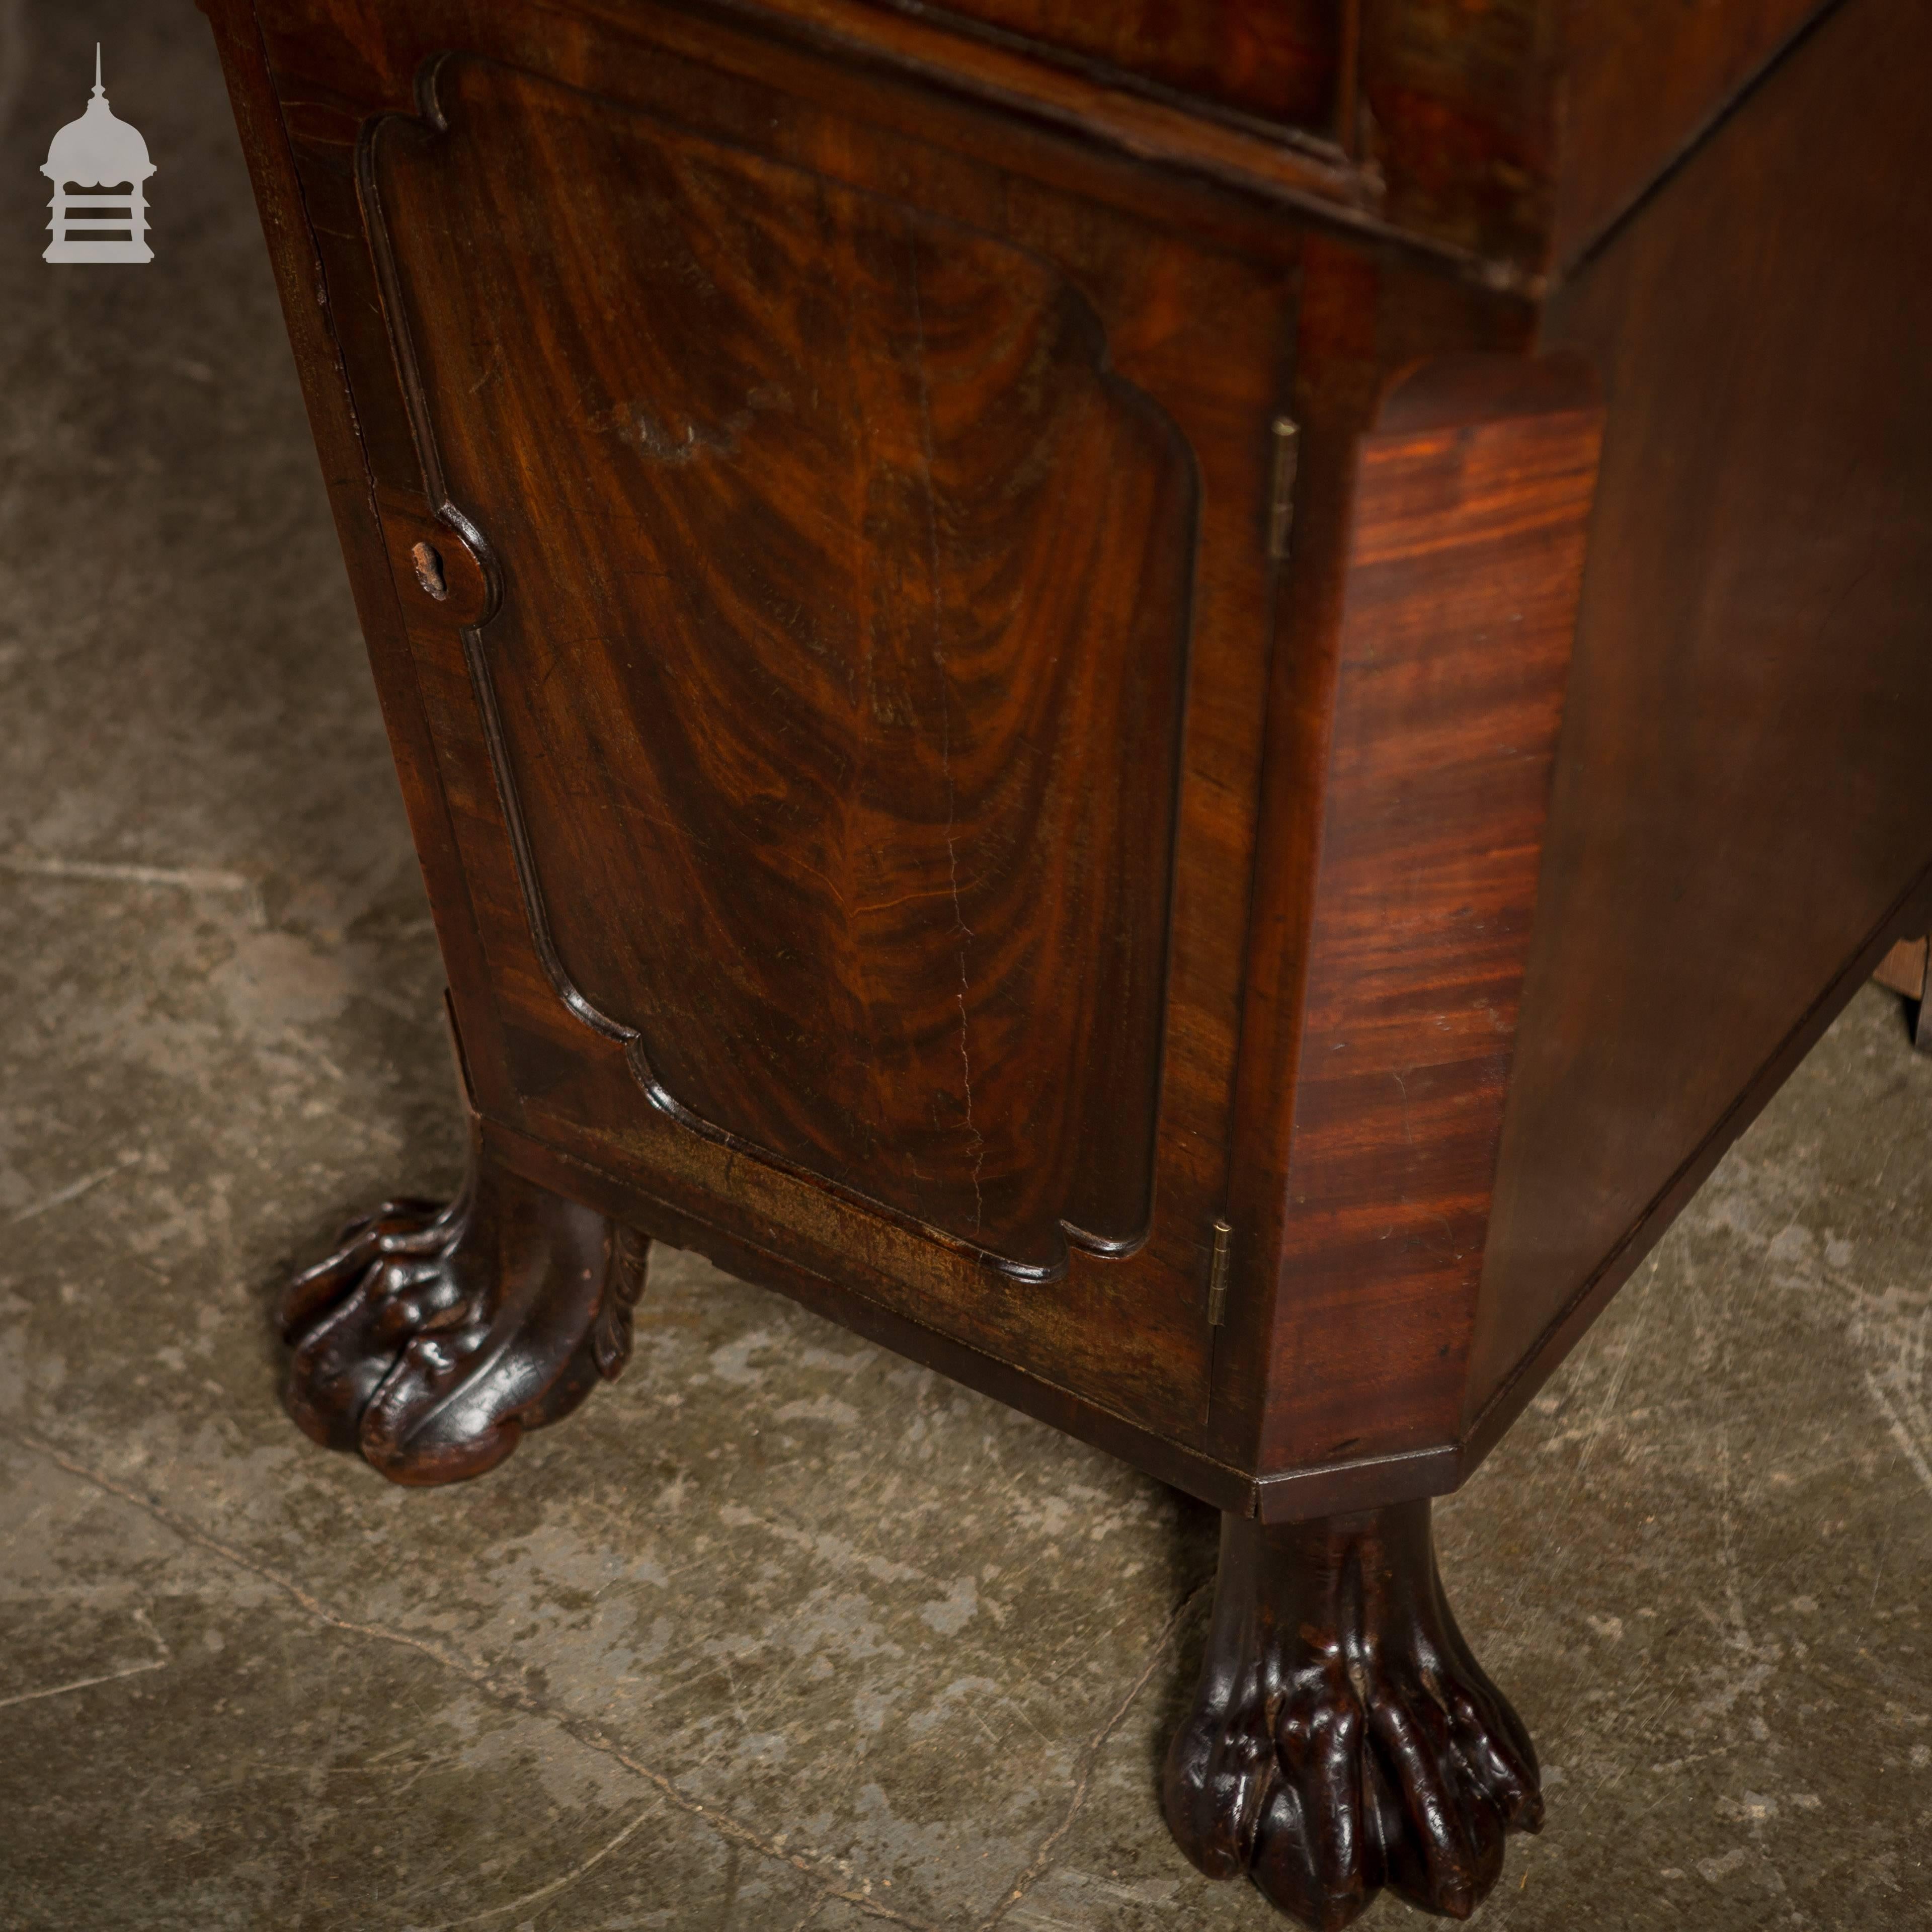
pixel 851 731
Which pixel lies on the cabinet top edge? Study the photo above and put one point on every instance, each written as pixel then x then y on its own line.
pixel 1503 140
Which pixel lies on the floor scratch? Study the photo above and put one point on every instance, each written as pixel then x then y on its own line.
pixel 1038 1865
pixel 74 1189
pixel 1613 1394
pixel 497 1684
pixel 188 878
pixel 156 1663
pixel 1900 1435
pixel 556 1884
pixel 84 1683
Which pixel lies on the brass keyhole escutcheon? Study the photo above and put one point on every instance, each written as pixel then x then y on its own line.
pixel 442 553
pixel 428 561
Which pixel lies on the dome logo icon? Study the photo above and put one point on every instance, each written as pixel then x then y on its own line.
pixel 97 165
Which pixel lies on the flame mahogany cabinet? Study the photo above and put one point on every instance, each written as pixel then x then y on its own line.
pixel 1176 707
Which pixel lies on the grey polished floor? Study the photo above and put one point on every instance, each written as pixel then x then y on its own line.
pixel 779 1632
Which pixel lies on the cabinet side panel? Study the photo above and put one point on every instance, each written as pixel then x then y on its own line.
pixel 1745 797
pixel 1642 80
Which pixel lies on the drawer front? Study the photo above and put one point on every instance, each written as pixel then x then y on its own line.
pixel 849 719
pixel 1278 59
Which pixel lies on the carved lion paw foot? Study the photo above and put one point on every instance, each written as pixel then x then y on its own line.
pixel 1342 1738
pixel 434 1336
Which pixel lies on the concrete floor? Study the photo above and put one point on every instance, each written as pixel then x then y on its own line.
pixel 780 1632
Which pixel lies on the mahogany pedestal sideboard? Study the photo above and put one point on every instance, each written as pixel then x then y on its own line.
pixel 1111 689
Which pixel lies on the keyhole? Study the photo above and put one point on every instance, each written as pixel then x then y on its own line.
pixel 429 570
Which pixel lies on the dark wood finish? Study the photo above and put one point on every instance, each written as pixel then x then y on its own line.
pixel 1280 59
pixel 1546 1349
pixel 1341 1737
pixel 1507 137
pixel 917 809
pixel 1743 772
pixel 1458 116
pixel 1644 80
pixel 433 1337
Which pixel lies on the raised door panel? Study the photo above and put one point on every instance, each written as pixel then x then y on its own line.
pixel 851 739
pixel 838 665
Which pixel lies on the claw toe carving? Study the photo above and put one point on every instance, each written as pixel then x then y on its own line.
pixel 1342 1738
pixel 433 1337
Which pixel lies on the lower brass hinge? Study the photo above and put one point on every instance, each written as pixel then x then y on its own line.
pixel 1217 1275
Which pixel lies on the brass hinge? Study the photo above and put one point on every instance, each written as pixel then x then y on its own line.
pixel 1287 433
pixel 1217 1275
